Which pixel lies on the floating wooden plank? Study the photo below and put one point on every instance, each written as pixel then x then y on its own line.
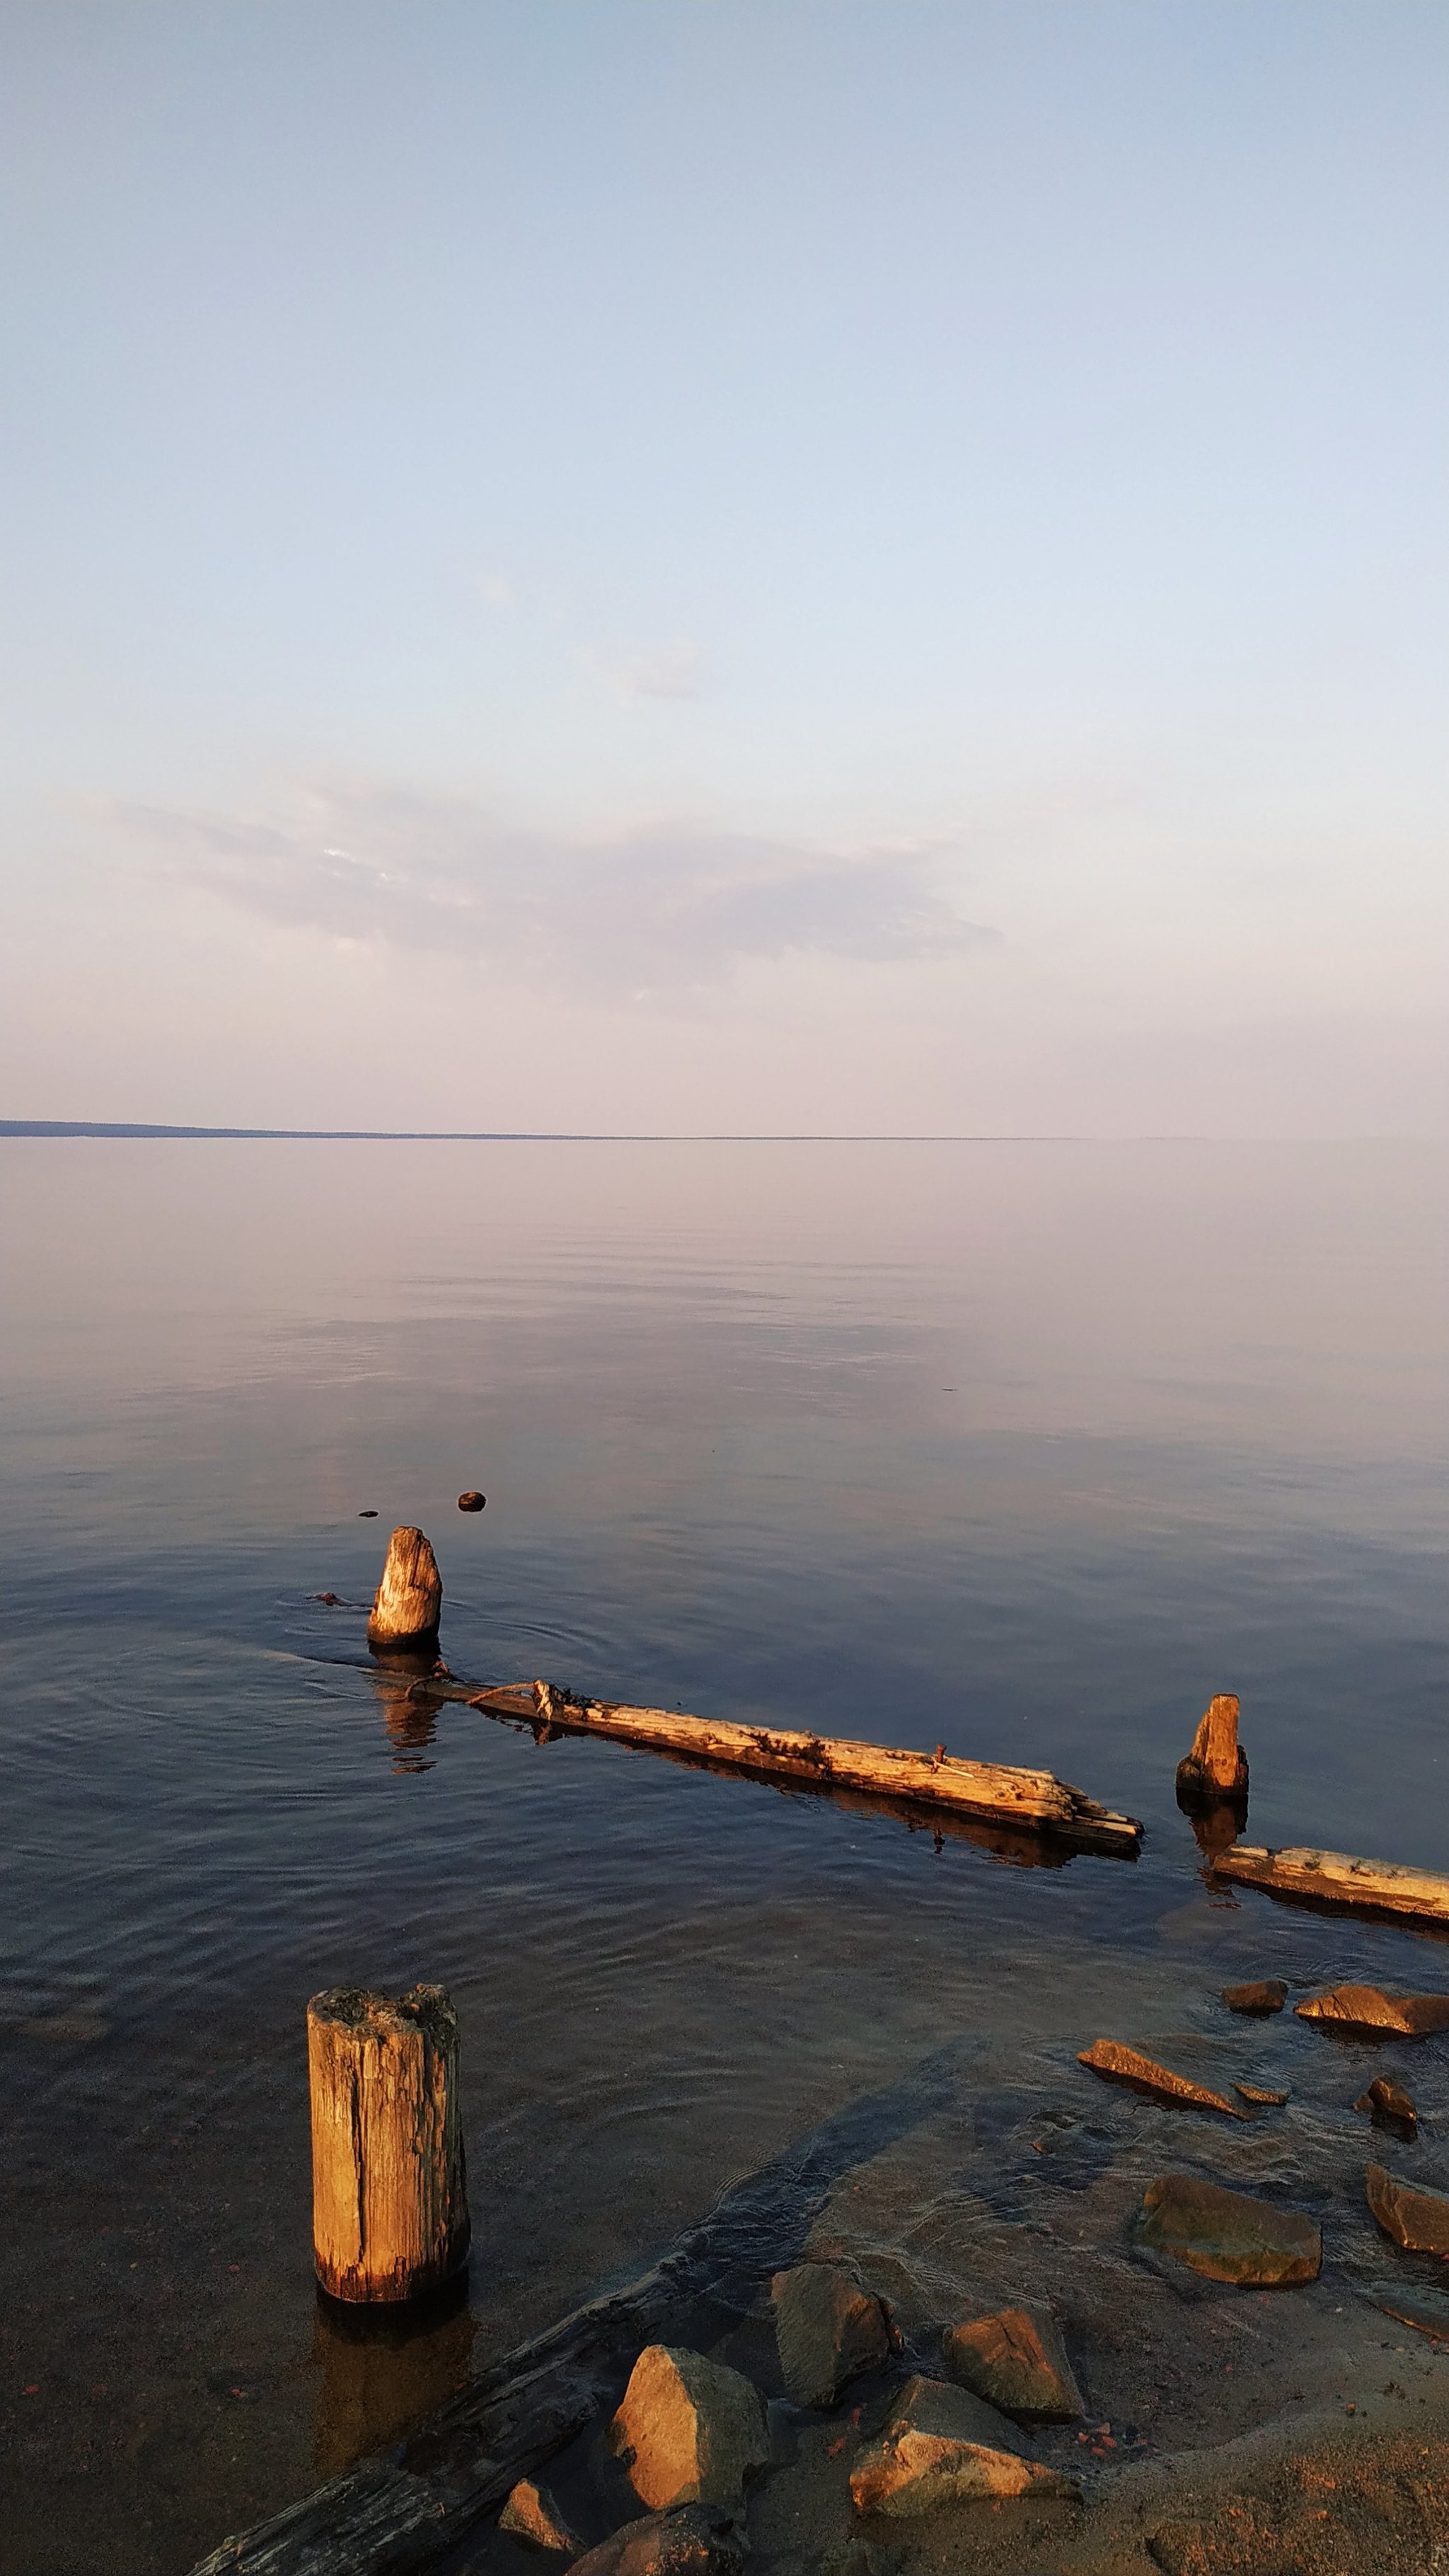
pixel 1336 1878
pixel 993 1792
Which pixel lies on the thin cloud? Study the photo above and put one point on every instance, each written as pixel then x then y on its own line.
pixel 662 907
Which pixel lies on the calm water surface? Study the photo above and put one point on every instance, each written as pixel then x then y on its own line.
pixel 1029 1448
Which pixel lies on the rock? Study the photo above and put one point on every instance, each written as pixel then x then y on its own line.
pixel 1425 2310
pixel 828 2330
pixel 696 2540
pixel 532 2515
pixel 941 2446
pixel 367 1516
pixel 1124 2065
pixel 1263 2095
pixel 689 2430
pixel 410 1596
pixel 1417 2220
pixel 333 1600
pixel 1390 2103
pixel 1180 2549
pixel 1216 1766
pixel 1228 2235
pixel 1017 2361
pixel 1263 1995
pixel 472 1502
pixel 1368 2008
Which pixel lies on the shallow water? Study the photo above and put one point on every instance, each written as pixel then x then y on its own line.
pixel 1026 1448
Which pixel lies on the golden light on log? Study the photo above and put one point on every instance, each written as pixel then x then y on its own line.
pixel 409 1600
pixel 389 2182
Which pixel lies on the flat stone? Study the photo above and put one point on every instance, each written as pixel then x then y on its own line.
pixel 1123 2065
pixel 1417 2220
pixel 1228 2235
pixel 1263 1995
pixel 689 2430
pixel 1425 2310
pixel 1017 2361
pixel 532 2515
pixel 695 2540
pixel 1368 2008
pixel 828 2330
pixel 1263 2095
pixel 1389 2101
pixel 943 2446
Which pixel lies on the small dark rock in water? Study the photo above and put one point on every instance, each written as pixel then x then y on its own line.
pixel 1266 1995
pixel 694 2540
pixel 367 1516
pixel 1417 2220
pixel 1391 2104
pixel 333 1600
pixel 828 2330
pixel 471 1502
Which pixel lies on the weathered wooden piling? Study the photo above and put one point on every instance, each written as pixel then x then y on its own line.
pixel 389 2183
pixel 409 1599
pixel 1217 1766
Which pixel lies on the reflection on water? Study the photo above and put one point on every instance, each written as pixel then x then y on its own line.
pixel 410 1705
pixel 383 2369
pixel 982 1445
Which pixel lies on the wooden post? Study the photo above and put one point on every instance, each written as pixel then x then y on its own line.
pixel 410 1596
pixel 389 2184
pixel 1216 1767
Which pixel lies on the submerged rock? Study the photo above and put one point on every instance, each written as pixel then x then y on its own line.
pixel 1123 2065
pixel 1390 2103
pixel 696 2540
pixel 941 2446
pixel 1263 2095
pixel 1228 2235
pixel 828 2330
pixel 1263 1995
pixel 532 2515
pixel 689 2430
pixel 1368 2008
pixel 1418 2220
pixel 1427 2311
pixel 1017 2361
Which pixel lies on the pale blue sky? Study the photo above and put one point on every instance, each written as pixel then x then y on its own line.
pixel 880 565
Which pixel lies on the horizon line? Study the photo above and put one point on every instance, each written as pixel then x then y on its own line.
pixel 142 1130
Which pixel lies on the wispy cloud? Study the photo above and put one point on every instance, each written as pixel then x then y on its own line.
pixel 674 670
pixel 660 907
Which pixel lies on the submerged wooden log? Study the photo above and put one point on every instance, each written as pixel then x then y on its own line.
pixel 407 2510
pixel 389 2189
pixel 409 1600
pixel 1217 1767
pixel 1335 1878
pixel 994 1792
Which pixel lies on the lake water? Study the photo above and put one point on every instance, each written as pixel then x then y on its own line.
pixel 1029 1448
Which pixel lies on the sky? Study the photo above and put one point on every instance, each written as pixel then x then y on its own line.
pixel 747 566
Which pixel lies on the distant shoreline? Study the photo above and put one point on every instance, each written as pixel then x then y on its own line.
pixel 506 1135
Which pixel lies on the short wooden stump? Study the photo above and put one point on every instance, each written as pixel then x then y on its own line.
pixel 389 2178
